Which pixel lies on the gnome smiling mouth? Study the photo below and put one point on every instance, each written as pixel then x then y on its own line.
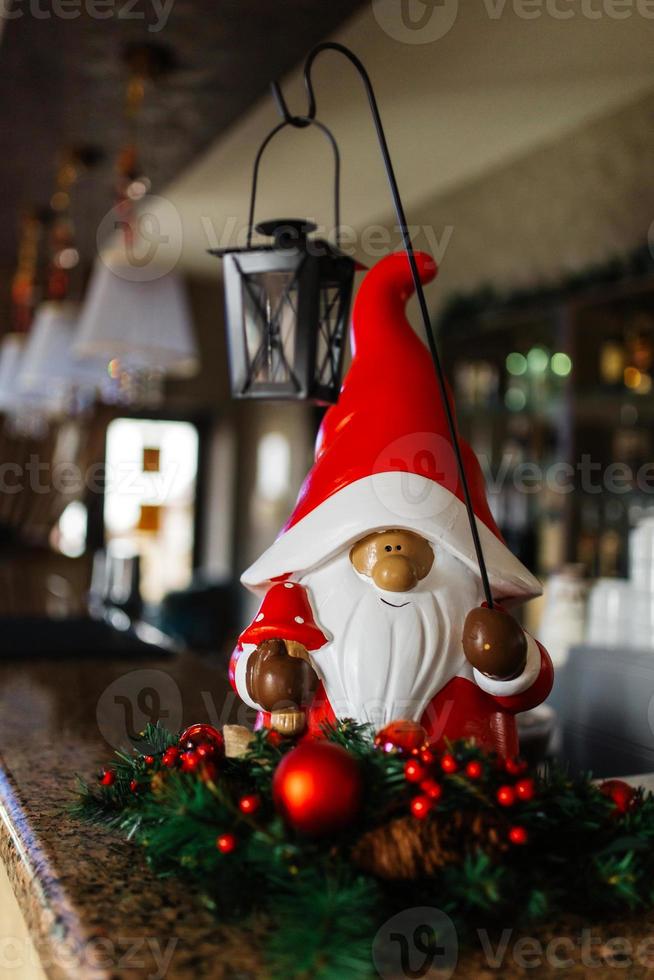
pixel 394 605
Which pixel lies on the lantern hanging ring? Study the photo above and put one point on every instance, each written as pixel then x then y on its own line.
pixel 309 118
pixel 298 122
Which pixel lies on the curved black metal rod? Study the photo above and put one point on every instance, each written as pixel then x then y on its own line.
pixel 408 247
pixel 299 122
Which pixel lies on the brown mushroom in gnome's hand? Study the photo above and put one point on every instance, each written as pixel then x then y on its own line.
pixel 279 675
pixel 494 643
pixel 281 679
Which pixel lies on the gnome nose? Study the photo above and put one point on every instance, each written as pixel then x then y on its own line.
pixel 396 573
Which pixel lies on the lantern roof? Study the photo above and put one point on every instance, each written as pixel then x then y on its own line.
pixel 288 234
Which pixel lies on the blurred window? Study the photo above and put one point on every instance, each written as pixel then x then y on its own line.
pixel 150 498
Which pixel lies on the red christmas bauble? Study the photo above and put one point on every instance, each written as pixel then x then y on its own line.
pixel 622 794
pixel 474 770
pixel 449 763
pixel 317 787
pixel 401 736
pixel 107 777
pixel 149 760
pixel 201 734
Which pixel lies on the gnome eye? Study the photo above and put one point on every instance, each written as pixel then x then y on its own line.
pixel 398 547
pixel 388 547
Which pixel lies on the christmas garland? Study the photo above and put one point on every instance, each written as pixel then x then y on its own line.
pixel 326 839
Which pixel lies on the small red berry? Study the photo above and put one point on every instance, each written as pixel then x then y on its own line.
pixel 107 777
pixel 427 757
pixel 250 803
pixel 170 757
pixel 420 807
pixel 413 771
pixel 149 760
pixel 190 761
pixel 226 843
pixel 525 789
pixel 518 835
pixel 206 750
pixel 474 769
pixel 274 738
pixel 506 796
pixel 432 789
pixel 449 763
pixel 134 786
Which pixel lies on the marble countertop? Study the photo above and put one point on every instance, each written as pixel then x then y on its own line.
pixel 92 907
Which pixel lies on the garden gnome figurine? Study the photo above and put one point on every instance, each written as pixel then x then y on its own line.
pixel 372 598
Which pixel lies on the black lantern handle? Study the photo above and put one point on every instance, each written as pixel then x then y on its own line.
pixel 299 122
pixel 408 247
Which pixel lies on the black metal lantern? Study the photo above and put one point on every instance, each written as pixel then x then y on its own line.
pixel 287 305
pixel 287 308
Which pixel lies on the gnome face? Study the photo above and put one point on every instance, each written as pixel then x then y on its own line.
pixel 394 560
pixel 393 646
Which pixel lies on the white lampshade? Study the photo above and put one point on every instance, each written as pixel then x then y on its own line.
pixel 48 360
pixel 11 353
pixel 145 324
pixel 14 400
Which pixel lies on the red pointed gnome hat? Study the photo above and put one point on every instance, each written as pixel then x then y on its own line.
pixel 384 458
pixel 285 611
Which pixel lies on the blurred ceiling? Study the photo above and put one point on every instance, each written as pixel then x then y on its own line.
pixel 64 83
pixel 494 86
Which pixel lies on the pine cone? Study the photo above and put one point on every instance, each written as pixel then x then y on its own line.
pixel 406 848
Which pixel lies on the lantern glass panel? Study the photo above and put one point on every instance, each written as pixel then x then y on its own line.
pixel 331 335
pixel 270 324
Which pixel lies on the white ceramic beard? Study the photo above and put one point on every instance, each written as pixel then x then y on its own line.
pixel 387 662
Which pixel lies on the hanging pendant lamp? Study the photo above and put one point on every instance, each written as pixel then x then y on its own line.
pixel 143 323
pixel 47 362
